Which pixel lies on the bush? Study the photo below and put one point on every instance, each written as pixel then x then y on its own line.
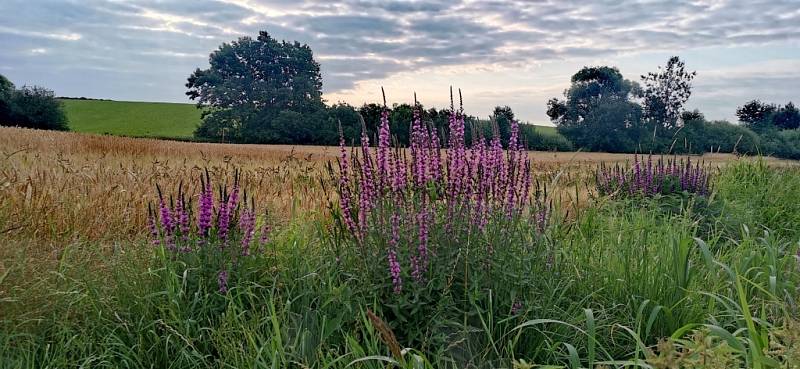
pixel 30 107
pixel 534 140
pixel 783 144
pixel 698 136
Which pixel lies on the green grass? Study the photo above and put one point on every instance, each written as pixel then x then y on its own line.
pixel 546 130
pixel 135 119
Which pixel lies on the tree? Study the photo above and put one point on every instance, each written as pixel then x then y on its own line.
pixel 665 92
pixel 6 94
pixel 756 115
pixel 503 116
pixel 250 82
pixel 599 112
pixel 787 117
pixel 30 107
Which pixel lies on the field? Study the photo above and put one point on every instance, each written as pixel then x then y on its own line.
pixel 579 276
pixel 132 119
pixel 145 119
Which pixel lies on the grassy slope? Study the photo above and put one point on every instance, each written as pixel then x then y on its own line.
pixel 147 119
pixel 139 119
pixel 546 130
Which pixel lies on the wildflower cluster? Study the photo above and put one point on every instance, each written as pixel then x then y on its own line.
pixel 222 232
pixel 648 178
pixel 419 206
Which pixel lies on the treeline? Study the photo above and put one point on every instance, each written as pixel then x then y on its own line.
pixel 267 91
pixel 30 107
pixel 603 111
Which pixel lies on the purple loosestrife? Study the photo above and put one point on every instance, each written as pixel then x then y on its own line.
pixel 422 246
pixel 222 281
pixel 662 177
pixel 167 224
pixel 435 156
pixel 394 264
pixel 247 225
pixel 435 198
pixel 264 236
pixel 205 207
pixel 367 186
pixel 345 193
pixel 383 151
pixel 419 149
pixel 223 221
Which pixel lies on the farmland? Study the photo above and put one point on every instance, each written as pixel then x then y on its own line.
pixel 133 119
pixel 605 279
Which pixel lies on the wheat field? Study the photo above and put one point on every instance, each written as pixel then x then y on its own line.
pixel 61 186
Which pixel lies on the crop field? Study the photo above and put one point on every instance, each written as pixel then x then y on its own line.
pixel 143 253
pixel 132 119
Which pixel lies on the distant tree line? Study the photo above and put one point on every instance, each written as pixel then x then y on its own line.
pixel 267 91
pixel 30 107
pixel 603 111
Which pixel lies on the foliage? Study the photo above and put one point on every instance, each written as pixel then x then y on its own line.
pixel 599 113
pixel 762 117
pixel 665 93
pixel 699 135
pixel 250 83
pixel 30 107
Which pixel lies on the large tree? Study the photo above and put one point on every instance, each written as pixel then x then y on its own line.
pixel 250 82
pixel 598 112
pixel 665 93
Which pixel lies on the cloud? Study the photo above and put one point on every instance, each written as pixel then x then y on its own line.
pixel 370 40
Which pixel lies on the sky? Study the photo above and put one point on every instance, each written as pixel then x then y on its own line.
pixel 516 53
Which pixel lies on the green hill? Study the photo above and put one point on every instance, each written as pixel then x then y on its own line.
pixel 147 119
pixel 137 119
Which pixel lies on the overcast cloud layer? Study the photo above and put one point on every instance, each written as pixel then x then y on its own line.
pixel 518 53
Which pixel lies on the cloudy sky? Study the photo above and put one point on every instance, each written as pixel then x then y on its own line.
pixel 517 53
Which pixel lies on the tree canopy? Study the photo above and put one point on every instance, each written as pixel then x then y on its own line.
pixel 599 112
pixel 30 107
pixel 254 86
pixel 762 117
pixel 603 111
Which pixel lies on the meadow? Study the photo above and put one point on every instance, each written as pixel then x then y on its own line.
pixel 115 254
pixel 132 118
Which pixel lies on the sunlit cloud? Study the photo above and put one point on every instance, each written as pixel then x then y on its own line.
pixel 500 52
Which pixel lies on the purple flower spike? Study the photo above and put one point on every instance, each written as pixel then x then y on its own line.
pixel 222 281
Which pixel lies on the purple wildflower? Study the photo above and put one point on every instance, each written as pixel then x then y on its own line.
pixel 222 281
pixel 517 307
pixel 394 264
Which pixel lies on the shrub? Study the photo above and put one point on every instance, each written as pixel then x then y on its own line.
pixel 534 140
pixel 30 107
pixel 699 136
